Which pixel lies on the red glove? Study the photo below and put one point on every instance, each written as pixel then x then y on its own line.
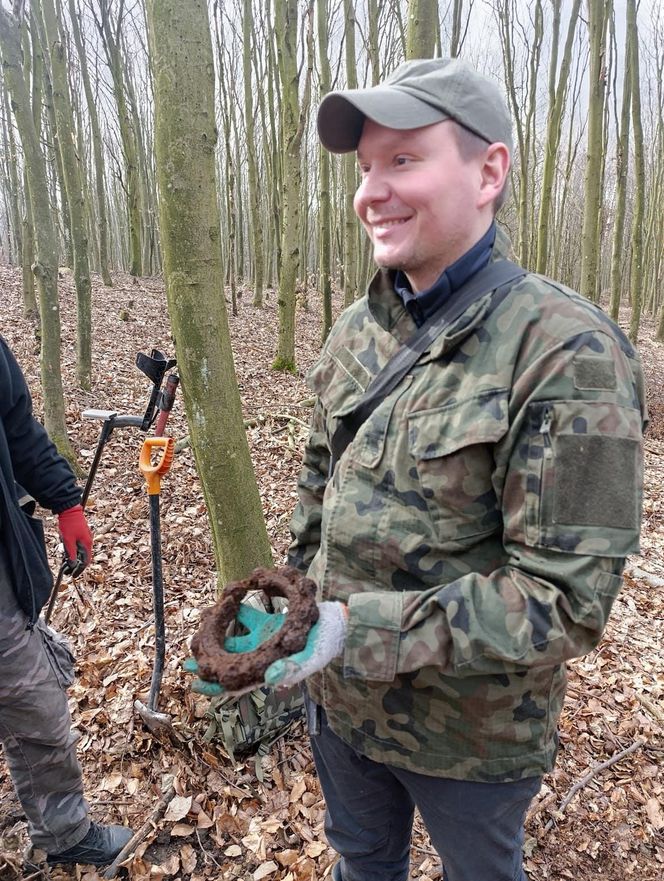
pixel 77 539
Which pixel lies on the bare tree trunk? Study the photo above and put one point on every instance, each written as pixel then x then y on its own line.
pixel 293 123
pixel 66 144
pixel 636 269
pixel 598 11
pixel 422 28
pixel 45 266
pixel 252 170
pixel 324 234
pixel 97 147
pixel 110 36
pixel 557 96
pixel 622 164
pixel 350 169
pixel 185 138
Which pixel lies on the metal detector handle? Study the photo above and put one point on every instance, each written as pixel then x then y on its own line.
pixel 153 473
pixel 167 401
pixel 111 421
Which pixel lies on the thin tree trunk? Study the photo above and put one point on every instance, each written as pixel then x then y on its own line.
pixel 252 169
pixel 557 95
pixel 636 268
pixel 45 266
pixel 590 240
pixel 97 148
pixel 75 205
pixel 291 132
pixel 351 270
pixel 325 243
pixel 622 164
pixel 127 135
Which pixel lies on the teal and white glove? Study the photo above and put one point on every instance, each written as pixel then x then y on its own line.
pixel 325 641
pixel 260 627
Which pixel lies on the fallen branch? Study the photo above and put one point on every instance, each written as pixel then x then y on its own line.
pixel 640 574
pixel 615 758
pixel 142 833
pixel 185 441
pixel 652 708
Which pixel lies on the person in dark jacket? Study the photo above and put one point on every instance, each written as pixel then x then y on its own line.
pixel 37 666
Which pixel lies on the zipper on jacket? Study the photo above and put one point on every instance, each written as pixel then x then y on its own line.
pixel 545 431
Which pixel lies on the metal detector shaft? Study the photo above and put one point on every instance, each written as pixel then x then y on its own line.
pixel 104 434
pixel 158 598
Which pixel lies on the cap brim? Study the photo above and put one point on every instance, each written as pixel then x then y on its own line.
pixel 341 115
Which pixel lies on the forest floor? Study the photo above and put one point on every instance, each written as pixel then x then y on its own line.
pixel 223 821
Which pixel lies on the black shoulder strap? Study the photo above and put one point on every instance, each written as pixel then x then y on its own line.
pixel 495 275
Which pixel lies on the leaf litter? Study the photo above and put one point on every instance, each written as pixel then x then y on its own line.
pixel 223 822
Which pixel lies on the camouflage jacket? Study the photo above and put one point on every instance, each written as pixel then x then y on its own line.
pixel 477 525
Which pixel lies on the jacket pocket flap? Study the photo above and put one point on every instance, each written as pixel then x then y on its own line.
pixel 443 430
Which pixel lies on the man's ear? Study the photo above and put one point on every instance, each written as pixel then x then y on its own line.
pixel 494 171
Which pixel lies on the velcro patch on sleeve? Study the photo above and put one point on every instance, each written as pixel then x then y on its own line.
pixel 595 481
pixel 592 372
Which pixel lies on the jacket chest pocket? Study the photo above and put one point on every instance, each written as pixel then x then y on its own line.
pixel 583 491
pixel 452 450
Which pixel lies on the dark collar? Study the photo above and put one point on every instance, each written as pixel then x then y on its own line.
pixel 421 306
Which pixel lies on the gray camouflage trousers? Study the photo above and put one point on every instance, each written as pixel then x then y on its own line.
pixel 35 727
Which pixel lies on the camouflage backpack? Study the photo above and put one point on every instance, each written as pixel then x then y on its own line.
pixel 252 722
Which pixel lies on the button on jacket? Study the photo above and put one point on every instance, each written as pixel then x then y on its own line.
pixel 477 525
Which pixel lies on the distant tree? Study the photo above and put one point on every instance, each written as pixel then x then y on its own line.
pixel 66 145
pixel 598 14
pixel 46 265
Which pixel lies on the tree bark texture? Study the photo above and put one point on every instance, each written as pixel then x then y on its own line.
pixel 185 139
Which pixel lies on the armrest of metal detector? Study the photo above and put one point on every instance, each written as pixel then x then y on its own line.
pixel 119 421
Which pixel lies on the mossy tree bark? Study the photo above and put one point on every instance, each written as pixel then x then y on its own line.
pixel 75 205
pixel 185 139
pixel 45 266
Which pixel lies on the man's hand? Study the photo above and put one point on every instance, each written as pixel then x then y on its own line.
pixel 325 641
pixel 77 539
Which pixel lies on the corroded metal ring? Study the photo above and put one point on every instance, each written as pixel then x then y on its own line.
pixel 238 670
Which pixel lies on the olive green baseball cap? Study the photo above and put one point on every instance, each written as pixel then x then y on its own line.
pixel 418 93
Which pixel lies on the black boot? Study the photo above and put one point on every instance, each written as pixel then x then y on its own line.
pixel 99 847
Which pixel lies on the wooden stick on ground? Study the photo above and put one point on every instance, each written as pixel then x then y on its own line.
pixel 142 833
pixel 616 757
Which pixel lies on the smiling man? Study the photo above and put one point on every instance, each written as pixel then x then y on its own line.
pixel 468 536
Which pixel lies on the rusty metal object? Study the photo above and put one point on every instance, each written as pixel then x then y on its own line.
pixel 238 670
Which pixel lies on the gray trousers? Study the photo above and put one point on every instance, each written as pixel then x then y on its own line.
pixel 476 828
pixel 35 727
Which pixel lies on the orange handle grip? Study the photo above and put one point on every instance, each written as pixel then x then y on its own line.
pixel 153 473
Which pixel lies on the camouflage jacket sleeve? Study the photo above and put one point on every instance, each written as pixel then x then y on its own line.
pixel 568 524
pixel 306 522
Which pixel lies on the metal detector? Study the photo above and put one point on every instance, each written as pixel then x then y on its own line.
pixel 154 366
